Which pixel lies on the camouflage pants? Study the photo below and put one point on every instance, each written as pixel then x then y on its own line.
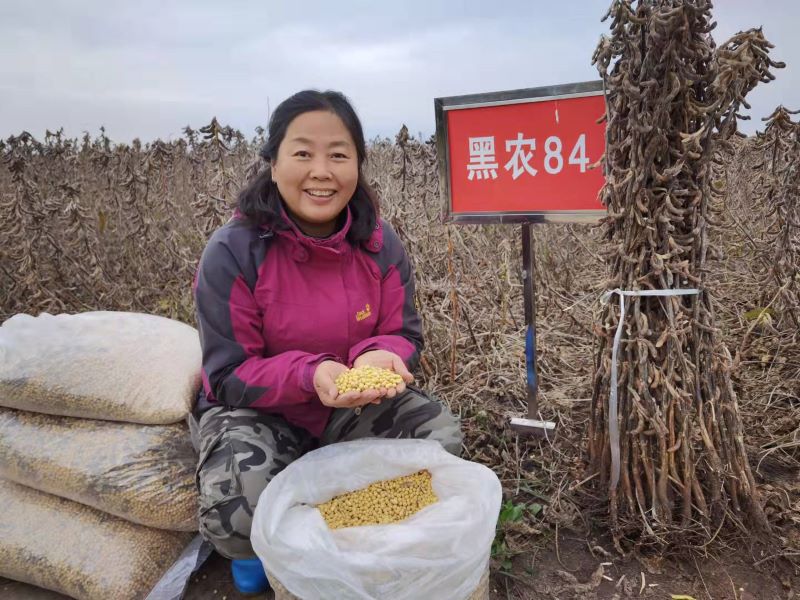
pixel 241 450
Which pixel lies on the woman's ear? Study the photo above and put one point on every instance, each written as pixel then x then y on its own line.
pixel 272 170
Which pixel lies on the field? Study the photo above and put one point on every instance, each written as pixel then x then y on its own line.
pixel 90 225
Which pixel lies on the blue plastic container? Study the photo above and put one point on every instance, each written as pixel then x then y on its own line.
pixel 249 576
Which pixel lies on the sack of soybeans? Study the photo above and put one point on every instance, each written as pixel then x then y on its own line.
pixel 389 519
pixel 141 473
pixel 114 366
pixel 75 550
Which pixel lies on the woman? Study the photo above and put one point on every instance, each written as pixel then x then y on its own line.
pixel 304 282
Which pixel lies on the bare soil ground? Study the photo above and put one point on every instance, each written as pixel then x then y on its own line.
pixel 581 567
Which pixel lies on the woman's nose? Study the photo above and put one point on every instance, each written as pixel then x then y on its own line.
pixel 320 169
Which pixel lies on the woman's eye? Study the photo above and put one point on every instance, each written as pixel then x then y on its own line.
pixel 339 155
pixel 302 154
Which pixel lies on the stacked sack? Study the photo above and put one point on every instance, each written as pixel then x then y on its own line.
pixel 96 462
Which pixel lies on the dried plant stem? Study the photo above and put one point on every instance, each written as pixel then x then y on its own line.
pixel 671 98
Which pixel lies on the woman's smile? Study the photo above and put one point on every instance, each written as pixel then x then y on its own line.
pixel 319 196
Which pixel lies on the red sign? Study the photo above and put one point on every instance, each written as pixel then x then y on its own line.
pixel 526 156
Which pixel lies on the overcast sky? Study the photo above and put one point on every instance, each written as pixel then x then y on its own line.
pixel 147 68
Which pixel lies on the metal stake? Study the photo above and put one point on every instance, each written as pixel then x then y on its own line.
pixel 531 424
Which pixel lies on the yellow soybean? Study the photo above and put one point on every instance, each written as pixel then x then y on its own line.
pixel 367 378
pixel 381 503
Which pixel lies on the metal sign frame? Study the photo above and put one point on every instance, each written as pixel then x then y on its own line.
pixel 540 94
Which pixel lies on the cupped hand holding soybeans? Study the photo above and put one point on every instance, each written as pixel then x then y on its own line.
pixel 325 377
pixel 340 387
pixel 363 379
pixel 389 361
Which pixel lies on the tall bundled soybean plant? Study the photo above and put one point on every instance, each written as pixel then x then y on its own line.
pixel 681 473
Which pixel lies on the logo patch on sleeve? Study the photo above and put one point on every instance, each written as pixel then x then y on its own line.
pixel 364 314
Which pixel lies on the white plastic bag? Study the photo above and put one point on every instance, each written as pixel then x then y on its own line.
pixel 140 473
pixel 78 551
pixel 440 552
pixel 115 366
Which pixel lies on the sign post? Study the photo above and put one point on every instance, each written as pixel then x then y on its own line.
pixel 526 157
pixel 529 296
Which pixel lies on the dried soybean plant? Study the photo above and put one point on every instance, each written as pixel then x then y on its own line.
pixel 776 188
pixel 219 183
pixel 93 225
pixel 683 469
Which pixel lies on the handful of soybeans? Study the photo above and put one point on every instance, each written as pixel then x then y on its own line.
pixel 366 378
pixel 383 502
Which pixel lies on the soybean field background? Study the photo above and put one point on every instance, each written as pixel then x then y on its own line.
pixel 93 225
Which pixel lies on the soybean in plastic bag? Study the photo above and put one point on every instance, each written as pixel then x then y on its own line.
pixel 116 366
pixel 440 552
pixel 75 550
pixel 141 473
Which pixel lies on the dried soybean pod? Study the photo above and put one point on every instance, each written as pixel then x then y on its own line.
pixel 75 550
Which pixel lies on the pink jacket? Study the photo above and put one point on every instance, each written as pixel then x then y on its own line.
pixel 272 305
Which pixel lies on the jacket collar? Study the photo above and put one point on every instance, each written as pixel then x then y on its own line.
pixel 374 244
pixel 375 241
pixel 333 241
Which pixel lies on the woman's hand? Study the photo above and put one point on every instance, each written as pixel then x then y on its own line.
pixel 325 385
pixel 386 360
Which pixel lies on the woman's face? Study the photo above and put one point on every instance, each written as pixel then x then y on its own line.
pixel 316 170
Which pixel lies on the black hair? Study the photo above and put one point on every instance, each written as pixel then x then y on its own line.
pixel 260 201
